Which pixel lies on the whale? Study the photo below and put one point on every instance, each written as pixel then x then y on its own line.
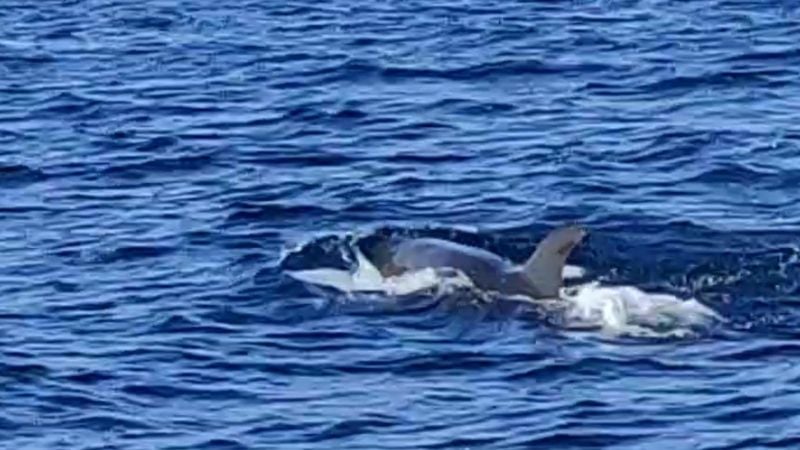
pixel 539 277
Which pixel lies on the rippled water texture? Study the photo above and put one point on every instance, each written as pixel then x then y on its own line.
pixel 164 163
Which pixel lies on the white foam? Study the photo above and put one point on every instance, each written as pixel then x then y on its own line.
pixel 627 310
pixel 367 278
pixel 573 272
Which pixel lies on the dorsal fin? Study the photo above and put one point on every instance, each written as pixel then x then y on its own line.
pixel 544 268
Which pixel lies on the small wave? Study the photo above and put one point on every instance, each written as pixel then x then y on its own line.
pixel 762 351
pixel 220 444
pixel 183 163
pixel 155 144
pixel 353 70
pixel 177 323
pixel 417 158
pixel 576 439
pixel 23 372
pixel 733 173
pixel 8 424
pixel 718 79
pixel 247 212
pixel 169 392
pixel 159 23
pixel 347 428
pixel 300 159
pixel 88 377
pixel 75 400
pixel 470 107
pixel 781 56
pixel 106 422
pixel 134 252
pixel 23 54
pixel 67 103
pixel 19 175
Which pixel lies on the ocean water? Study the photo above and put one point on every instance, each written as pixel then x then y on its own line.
pixel 167 166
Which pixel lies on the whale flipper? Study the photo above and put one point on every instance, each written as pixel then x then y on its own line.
pixel 544 269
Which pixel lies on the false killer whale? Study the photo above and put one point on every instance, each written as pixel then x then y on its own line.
pixel 540 277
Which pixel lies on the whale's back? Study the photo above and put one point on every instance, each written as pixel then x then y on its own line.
pixel 484 268
pixel 540 276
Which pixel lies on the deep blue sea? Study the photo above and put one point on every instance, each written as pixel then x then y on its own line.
pixel 164 164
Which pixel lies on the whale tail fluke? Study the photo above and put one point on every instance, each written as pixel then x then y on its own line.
pixel 545 266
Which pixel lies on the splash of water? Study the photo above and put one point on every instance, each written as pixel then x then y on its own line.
pixel 615 310
pixel 367 278
pixel 628 310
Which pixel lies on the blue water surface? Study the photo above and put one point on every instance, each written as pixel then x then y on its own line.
pixel 158 158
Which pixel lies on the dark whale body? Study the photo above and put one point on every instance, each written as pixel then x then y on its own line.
pixel 540 276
